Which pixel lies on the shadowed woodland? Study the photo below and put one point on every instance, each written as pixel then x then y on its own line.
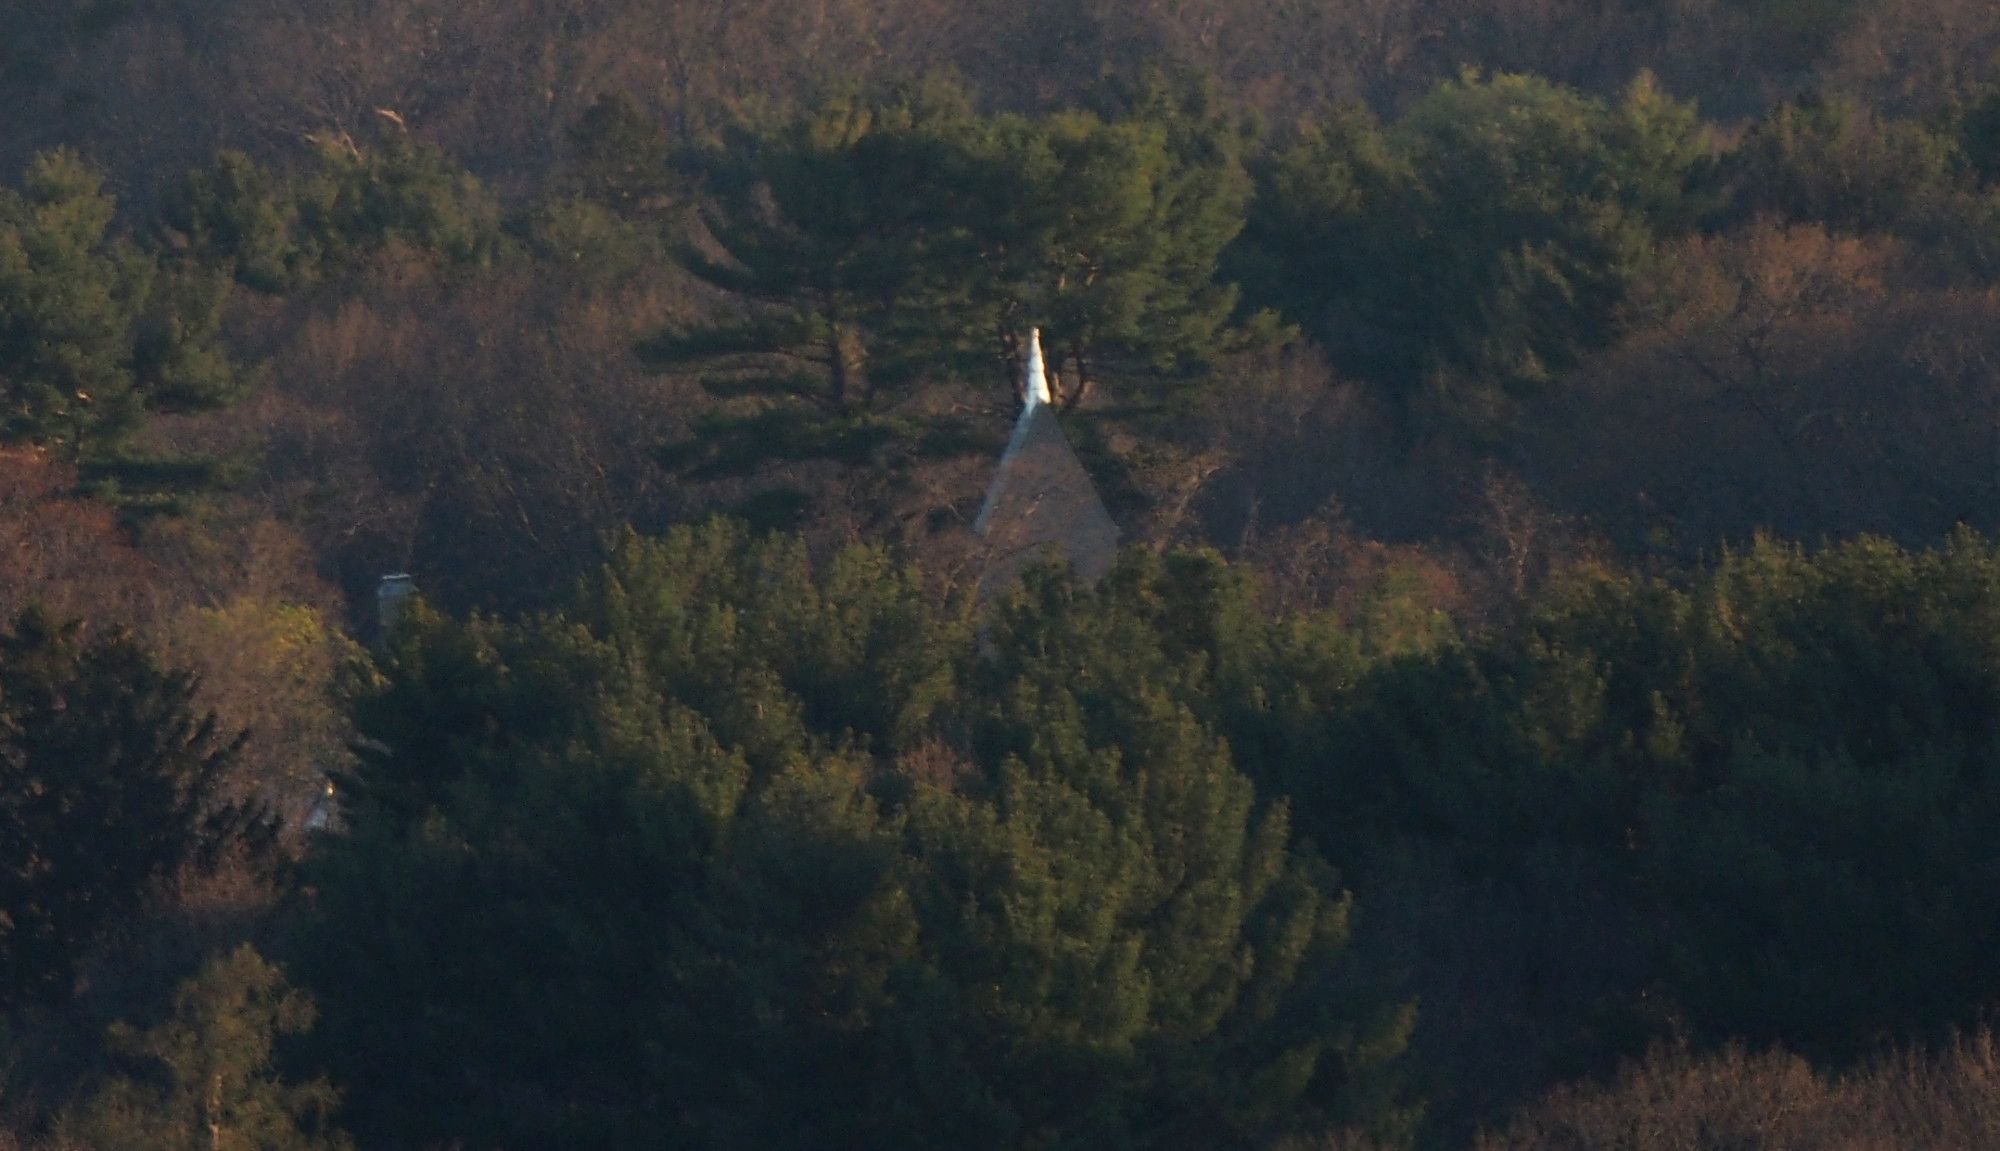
pixel 1549 696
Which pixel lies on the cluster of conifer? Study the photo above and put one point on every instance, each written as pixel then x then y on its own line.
pixel 744 849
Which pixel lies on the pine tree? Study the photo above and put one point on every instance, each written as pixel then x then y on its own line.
pixel 874 243
pixel 207 1077
pixel 1127 220
pixel 93 334
pixel 108 783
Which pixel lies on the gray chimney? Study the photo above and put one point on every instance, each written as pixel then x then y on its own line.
pixel 391 595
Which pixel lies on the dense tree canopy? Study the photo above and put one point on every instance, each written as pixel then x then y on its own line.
pixel 1486 238
pixel 1746 761
pixel 1548 699
pixel 776 857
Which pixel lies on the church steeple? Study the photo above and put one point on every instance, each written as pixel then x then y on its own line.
pixel 1042 503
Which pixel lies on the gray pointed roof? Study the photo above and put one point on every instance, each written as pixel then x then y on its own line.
pixel 1042 503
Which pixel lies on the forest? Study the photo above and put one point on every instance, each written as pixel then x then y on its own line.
pixel 1547 699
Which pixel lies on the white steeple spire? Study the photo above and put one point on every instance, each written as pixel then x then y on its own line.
pixel 1041 502
pixel 1035 388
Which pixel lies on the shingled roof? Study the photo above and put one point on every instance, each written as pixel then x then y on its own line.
pixel 1042 504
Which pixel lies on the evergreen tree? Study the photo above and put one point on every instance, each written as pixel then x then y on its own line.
pixel 207 1077
pixel 395 193
pixel 1137 211
pixel 275 232
pixel 826 239
pixel 108 783
pixel 234 216
pixel 93 333
pixel 821 226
